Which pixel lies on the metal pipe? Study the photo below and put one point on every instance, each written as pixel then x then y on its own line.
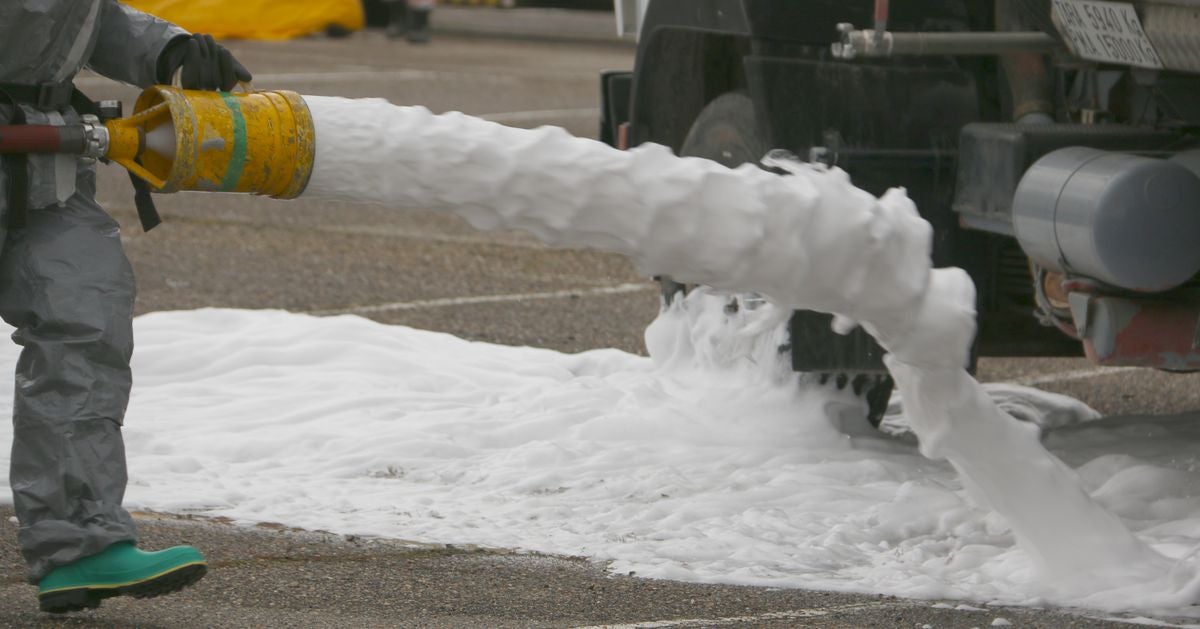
pixel 865 43
pixel 881 20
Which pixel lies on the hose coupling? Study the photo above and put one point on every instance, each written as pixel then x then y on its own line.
pixel 95 137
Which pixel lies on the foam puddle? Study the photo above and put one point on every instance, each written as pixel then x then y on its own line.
pixel 810 240
pixel 708 463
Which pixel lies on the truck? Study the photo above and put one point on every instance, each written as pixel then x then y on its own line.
pixel 1053 145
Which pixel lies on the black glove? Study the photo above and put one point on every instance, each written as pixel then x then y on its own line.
pixel 206 65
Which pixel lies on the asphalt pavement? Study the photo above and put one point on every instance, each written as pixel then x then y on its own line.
pixel 270 576
pixel 546 24
pixel 434 272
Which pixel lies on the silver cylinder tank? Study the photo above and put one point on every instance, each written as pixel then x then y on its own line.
pixel 1126 220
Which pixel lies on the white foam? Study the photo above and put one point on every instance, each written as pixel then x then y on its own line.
pixel 810 240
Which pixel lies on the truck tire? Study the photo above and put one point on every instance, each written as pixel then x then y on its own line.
pixel 726 131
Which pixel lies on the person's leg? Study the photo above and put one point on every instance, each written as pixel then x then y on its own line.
pixel 67 287
pixel 417 28
pixel 397 16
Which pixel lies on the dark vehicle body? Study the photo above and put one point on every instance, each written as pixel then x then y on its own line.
pixel 986 112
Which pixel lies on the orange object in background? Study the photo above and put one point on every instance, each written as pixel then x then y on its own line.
pixel 257 19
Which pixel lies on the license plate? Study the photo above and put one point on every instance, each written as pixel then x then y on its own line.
pixel 1105 31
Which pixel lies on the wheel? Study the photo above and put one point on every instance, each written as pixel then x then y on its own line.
pixel 727 132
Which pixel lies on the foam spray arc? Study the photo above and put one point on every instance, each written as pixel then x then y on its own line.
pixel 810 240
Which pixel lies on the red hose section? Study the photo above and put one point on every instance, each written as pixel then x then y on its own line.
pixel 29 139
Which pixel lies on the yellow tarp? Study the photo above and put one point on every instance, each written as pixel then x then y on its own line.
pixel 256 19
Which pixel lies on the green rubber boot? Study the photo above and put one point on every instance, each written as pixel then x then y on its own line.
pixel 119 570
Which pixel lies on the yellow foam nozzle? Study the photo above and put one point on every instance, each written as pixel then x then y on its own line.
pixel 256 142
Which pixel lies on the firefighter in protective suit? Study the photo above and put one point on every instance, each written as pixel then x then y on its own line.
pixel 68 289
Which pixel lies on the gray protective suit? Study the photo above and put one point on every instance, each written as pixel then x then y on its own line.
pixel 67 287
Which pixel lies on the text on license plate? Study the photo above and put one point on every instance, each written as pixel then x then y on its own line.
pixel 1105 31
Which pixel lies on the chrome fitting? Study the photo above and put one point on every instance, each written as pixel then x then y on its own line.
pixel 861 43
pixel 95 137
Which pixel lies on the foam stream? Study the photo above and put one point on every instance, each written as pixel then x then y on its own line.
pixel 810 240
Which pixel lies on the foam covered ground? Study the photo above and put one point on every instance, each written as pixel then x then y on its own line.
pixel 708 463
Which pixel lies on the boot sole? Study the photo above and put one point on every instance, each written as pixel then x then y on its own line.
pixel 79 599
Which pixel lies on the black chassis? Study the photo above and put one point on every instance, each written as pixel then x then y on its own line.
pixel 887 122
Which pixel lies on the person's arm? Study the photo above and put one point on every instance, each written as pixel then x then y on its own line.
pixel 141 49
pixel 129 43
